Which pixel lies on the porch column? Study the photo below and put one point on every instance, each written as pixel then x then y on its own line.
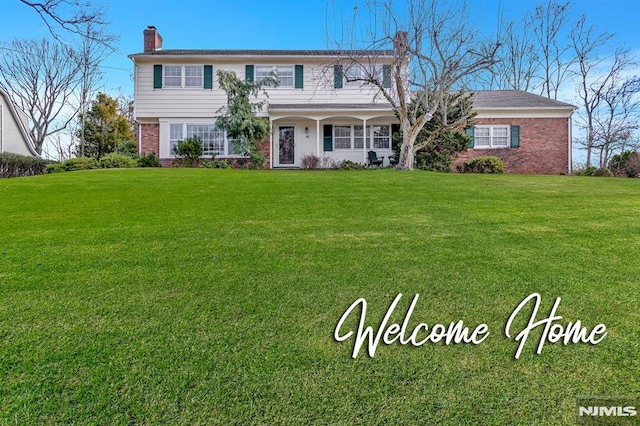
pixel 318 138
pixel 272 147
pixel 364 139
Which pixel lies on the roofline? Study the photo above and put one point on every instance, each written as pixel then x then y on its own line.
pixel 195 53
pixel 23 130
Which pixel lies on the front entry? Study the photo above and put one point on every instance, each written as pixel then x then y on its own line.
pixel 286 145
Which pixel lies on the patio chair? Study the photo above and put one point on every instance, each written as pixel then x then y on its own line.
pixel 374 159
pixel 392 160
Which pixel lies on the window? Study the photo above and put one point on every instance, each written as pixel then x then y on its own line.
pixel 491 137
pixel 183 75
pixel 172 76
pixel 342 137
pixel 284 74
pixel 214 141
pixel 352 137
pixel 357 75
pixel 381 136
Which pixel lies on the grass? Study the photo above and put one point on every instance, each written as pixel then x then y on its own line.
pixel 180 296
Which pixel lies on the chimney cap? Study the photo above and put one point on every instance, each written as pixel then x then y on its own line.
pixel 151 27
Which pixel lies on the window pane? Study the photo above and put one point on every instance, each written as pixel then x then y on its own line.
pixel 500 137
pixel 381 137
pixel 175 135
pixel 482 137
pixel 172 76
pixel 193 76
pixel 342 137
pixel 262 72
pixel 285 76
pixel 358 137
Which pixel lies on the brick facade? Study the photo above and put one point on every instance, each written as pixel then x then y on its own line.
pixel 149 138
pixel 543 147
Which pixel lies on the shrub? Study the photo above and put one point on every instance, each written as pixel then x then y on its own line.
pixel 216 164
pixel 625 164
pixel 149 160
pixel 189 152
pixel 483 164
pixel 128 148
pixel 603 172
pixel 117 161
pixel 328 163
pixel 310 162
pixel 56 168
pixel 81 163
pixel 350 165
pixel 586 171
pixel 15 165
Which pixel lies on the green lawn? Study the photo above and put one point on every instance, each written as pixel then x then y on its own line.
pixel 179 296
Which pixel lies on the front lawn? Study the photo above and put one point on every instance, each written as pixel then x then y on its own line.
pixel 192 296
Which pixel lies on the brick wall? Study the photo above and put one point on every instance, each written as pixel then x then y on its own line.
pixel 543 146
pixel 150 138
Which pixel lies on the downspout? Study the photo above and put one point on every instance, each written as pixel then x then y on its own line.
pixel 570 143
pixel 318 137
pixel 271 148
pixel 1 129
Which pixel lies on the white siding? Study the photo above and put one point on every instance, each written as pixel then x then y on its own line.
pixel 179 102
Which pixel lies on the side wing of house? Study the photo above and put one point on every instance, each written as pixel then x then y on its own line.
pixel 530 133
pixel 14 136
pixel 316 108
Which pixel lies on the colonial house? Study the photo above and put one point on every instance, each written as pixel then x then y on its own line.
pixel 320 108
pixel 14 125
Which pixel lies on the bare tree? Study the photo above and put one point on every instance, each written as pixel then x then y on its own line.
pixel 618 116
pixel 40 77
pixel 518 60
pixel 69 15
pixel 434 51
pixel 550 27
pixel 609 96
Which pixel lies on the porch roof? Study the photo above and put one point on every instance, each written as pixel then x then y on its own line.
pixel 325 107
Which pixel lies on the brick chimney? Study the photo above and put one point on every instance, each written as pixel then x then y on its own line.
pixel 152 39
pixel 401 43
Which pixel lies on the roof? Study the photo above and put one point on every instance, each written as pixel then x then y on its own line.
pixel 24 131
pixel 232 53
pixel 510 99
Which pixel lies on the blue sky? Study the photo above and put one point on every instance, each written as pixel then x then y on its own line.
pixel 251 24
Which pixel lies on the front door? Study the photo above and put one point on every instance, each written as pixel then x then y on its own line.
pixel 286 145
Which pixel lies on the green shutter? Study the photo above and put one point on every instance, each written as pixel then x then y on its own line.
pixel 396 136
pixel 328 137
pixel 337 76
pixel 248 73
pixel 299 77
pixel 157 76
pixel 469 132
pixel 515 136
pixel 208 77
pixel 386 76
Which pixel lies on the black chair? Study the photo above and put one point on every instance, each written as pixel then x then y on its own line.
pixel 392 160
pixel 374 159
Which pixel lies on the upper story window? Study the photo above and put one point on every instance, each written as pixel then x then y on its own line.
pixel 358 75
pixel 491 137
pixel 284 74
pixel 183 76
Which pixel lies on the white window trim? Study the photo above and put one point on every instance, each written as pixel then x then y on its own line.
pixel 367 136
pixel 356 84
pixel 274 67
pixel 225 154
pixel 183 76
pixel 491 128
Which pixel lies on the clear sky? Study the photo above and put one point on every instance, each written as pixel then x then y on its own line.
pixel 253 24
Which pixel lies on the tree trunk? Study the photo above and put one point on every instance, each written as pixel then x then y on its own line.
pixel 406 156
